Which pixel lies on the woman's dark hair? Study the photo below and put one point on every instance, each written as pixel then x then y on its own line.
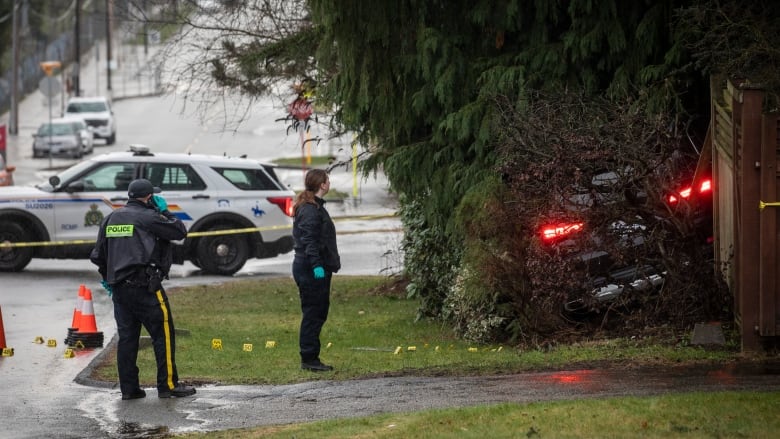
pixel 314 179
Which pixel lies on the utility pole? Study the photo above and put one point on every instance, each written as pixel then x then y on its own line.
pixel 146 30
pixel 109 13
pixel 13 127
pixel 76 63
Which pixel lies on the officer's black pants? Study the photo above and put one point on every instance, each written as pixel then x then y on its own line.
pixel 135 306
pixel 315 302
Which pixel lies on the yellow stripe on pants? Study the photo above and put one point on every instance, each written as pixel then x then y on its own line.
pixel 167 331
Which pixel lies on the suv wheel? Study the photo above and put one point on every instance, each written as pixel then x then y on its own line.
pixel 13 258
pixel 111 139
pixel 223 254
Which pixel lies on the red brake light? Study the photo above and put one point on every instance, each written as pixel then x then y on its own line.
pixel 704 187
pixel 284 203
pixel 550 233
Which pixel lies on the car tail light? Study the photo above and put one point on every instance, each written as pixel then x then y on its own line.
pixel 704 187
pixel 284 203
pixel 550 233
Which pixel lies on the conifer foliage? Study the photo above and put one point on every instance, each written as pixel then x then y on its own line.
pixel 426 85
pixel 420 80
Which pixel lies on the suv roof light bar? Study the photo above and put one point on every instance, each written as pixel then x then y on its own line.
pixel 138 149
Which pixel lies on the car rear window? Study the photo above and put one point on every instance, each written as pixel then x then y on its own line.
pixel 248 179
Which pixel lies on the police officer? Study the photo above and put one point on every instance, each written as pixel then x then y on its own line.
pixel 133 256
pixel 316 259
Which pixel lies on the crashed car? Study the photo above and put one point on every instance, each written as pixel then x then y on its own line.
pixel 622 255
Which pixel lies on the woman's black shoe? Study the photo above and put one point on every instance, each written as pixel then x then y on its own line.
pixel 316 366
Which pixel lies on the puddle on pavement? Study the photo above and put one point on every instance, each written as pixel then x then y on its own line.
pixel 595 379
pixel 133 430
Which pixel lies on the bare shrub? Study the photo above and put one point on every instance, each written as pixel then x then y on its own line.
pixel 551 148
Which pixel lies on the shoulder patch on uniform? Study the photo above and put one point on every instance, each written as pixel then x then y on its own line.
pixel 119 230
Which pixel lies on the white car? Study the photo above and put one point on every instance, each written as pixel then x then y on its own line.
pixel 234 208
pixel 62 137
pixel 97 113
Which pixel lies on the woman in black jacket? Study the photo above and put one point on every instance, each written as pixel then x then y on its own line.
pixel 316 259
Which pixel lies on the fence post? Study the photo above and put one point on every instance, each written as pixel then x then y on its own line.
pixel 747 157
pixel 768 292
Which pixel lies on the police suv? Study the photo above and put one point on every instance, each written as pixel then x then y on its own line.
pixel 234 208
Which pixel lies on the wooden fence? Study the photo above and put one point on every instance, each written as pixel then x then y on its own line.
pixel 745 151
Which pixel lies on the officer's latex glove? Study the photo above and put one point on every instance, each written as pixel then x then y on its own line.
pixel 319 273
pixel 159 203
pixel 107 287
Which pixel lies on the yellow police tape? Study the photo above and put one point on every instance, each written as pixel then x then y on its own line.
pixel 216 232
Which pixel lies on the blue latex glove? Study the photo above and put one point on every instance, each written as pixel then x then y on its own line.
pixel 319 273
pixel 159 202
pixel 107 287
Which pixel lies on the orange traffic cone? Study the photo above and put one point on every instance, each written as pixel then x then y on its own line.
pixel 77 308
pixel 4 349
pixel 87 335
pixel 87 323
pixel 2 331
pixel 74 325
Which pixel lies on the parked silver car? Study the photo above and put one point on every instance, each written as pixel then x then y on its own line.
pixel 62 137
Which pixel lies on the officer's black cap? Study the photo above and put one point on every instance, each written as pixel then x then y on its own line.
pixel 141 188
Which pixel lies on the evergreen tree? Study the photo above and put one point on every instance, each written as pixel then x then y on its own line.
pixel 419 80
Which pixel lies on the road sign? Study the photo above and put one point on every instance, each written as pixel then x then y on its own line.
pixel 50 86
pixel 50 66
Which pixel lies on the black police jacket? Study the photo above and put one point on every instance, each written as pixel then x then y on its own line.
pixel 133 238
pixel 315 236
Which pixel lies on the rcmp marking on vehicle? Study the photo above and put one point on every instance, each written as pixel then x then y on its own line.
pixel 176 210
pixel 35 205
pixel 257 211
pixel 93 217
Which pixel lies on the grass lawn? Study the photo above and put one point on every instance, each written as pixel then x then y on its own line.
pixel 246 332
pixel 695 415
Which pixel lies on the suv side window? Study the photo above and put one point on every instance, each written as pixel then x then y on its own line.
pixel 248 179
pixel 174 177
pixel 109 177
